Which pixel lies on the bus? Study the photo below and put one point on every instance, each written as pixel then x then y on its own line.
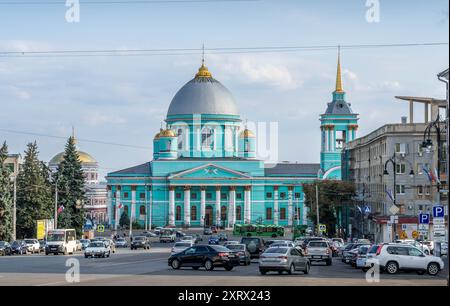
pixel 245 230
pixel 61 241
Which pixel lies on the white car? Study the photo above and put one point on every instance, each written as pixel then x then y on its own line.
pixel 33 245
pixel 444 249
pixel 393 257
pixel 181 246
pixel 97 249
pixel 188 239
pixel 421 246
pixel 230 243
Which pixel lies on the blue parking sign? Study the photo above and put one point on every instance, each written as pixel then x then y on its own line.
pixel 438 212
pixel 424 219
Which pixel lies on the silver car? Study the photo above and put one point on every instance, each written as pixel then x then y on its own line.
pixel 282 259
pixel 320 251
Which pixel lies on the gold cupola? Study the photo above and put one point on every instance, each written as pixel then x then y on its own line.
pixel 247 134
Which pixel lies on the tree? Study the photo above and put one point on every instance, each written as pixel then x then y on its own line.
pixel 71 190
pixel 34 193
pixel 331 196
pixel 124 221
pixel 5 197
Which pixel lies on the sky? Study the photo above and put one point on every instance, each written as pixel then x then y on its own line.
pixel 123 99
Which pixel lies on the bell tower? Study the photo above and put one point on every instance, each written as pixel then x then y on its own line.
pixel 339 125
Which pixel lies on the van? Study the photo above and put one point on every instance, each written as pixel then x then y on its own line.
pixel 61 241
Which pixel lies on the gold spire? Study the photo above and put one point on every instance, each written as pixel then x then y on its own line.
pixel 339 87
pixel 203 72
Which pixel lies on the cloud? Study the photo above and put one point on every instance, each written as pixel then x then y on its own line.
pixel 95 118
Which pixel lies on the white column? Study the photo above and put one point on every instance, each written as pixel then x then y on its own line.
pixel 290 206
pixel 275 206
pixel 218 194
pixel 117 212
pixel 202 206
pixel 133 209
pixel 247 205
pixel 109 205
pixel 232 208
pixel 150 207
pixel 172 206
pixel 187 206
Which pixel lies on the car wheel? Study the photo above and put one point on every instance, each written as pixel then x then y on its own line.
pixel 175 264
pixel 307 269
pixel 392 267
pixel 229 268
pixel 329 262
pixel 433 269
pixel 85 256
pixel 209 266
pixel 365 269
pixel 291 269
pixel 263 272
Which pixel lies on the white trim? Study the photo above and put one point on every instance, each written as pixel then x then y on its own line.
pixel 330 171
pixel 179 174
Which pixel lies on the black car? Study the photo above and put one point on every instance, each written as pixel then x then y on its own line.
pixel 207 231
pixel 5 248
pixel 207 256
pixel 241 251
pixel 19 247
pixel 255 246
pixel 140 242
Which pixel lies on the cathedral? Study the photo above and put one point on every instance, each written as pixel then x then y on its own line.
pixel 205 169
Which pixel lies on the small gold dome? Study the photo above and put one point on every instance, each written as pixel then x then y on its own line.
pixel 203 72
pixel 247 134
pixel 84 157
pixel 167 133
pixel 158 136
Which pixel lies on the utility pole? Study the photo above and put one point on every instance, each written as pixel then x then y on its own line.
pixel 56 205
pixel 14 234
pixel 317 203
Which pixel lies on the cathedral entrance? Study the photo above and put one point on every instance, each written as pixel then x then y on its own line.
pixel 208 216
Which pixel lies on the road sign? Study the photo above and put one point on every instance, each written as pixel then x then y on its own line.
pixel 438 221
pixel 415 234
pixel 424 227
pixel 101 228
pixel 438 212
pixel 424 219
pixel 394 219
pixel 322 228
pixel 394 210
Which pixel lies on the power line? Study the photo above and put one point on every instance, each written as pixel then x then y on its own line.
pixel 217 50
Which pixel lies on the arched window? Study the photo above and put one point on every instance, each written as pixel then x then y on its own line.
pixel 178 213
pixel 238 213
pixel 142 210
pixel 223 213
pixel 208 138
pixel 180 139
pixel 194 213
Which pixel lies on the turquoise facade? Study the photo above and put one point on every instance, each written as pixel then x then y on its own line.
pixel 205 169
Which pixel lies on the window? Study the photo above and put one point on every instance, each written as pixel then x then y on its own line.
pixel 414 252
pixel 298 195
pixel 142 196
pixel 180 139
pixel 283 195
pixel 269 195
pixel 297 214
pixel 420 190
pixel 142 210
pixel 209 196
pixel 239 196
pixel 193 196
pixel 194 213
pixel 178 196
pixel 223 213
pixel 401 169
pixel 125 195
pixel 268 213
pixel 400 148
pixel 428 190
pixel 238 213
pixel 400 189
pixel 223 196
pixel 178 213
pixel 208 138
pixel 340 139
pixel 283 214
pixel 125 210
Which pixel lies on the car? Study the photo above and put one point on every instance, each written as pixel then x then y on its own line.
pixel 5 248
pixel 214 239
pixel 421 246
pixel 179 234
pixel 227 243
pixel 150 234
pixel 318 251
pixel 307 240
pixel 283 244
pixel 167 235
pixel 335 247
pixel 349 253
pixel 140 242
pixel 181 246
pixel 188 238
pixel 33 245
pixel 111 244
pixel 97 249
pixel 198 238
pixel 359 253
pixel 283 259
pixel 223 237
pixel 339 240
pixel 19 247
pixel 84 243
pixel 241 251
pixel 430 245
pixel 214 229
pixel 122 243
pixel 395 257
pixel 42 245
pixel 207 231
pixel 207 256
pixel 444 249
pixel 361 261
pixel 255 246
pixel 79 246
pixel 363 241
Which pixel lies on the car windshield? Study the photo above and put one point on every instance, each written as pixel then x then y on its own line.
pixel 277 251
pixel 250 240
pixel 56 237
pixel 188 237
pixel 182 245
pixel 237 247
pixel 17 242
pixel 139 238
pixel 373 249
pixel 214 237
pixel 2 243
pixel 219 248
pixel 96 245
pixel 317 244
pixel 29 241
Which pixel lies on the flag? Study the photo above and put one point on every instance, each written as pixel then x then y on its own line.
pixel 433 177
pixel 120 206
pixel 436 174
pixel 389 193
pixel 60 209
pixel 430 177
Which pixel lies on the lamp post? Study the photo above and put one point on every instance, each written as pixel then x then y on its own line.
pixel 319 176
pixel 393 161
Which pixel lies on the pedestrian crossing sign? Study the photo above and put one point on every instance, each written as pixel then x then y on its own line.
pixel 101 228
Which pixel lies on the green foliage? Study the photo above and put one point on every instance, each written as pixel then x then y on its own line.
pixel 70 181
pixel 124 221
pixel 332 194
pixel 5 197
pixel 34 193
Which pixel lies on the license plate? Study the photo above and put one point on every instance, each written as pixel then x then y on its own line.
pixel 316 257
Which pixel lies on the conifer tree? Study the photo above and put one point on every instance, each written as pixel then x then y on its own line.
pixel 5 197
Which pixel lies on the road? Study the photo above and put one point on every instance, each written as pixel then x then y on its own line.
pixel 149 268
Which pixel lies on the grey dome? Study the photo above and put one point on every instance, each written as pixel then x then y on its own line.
pixel 203 95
